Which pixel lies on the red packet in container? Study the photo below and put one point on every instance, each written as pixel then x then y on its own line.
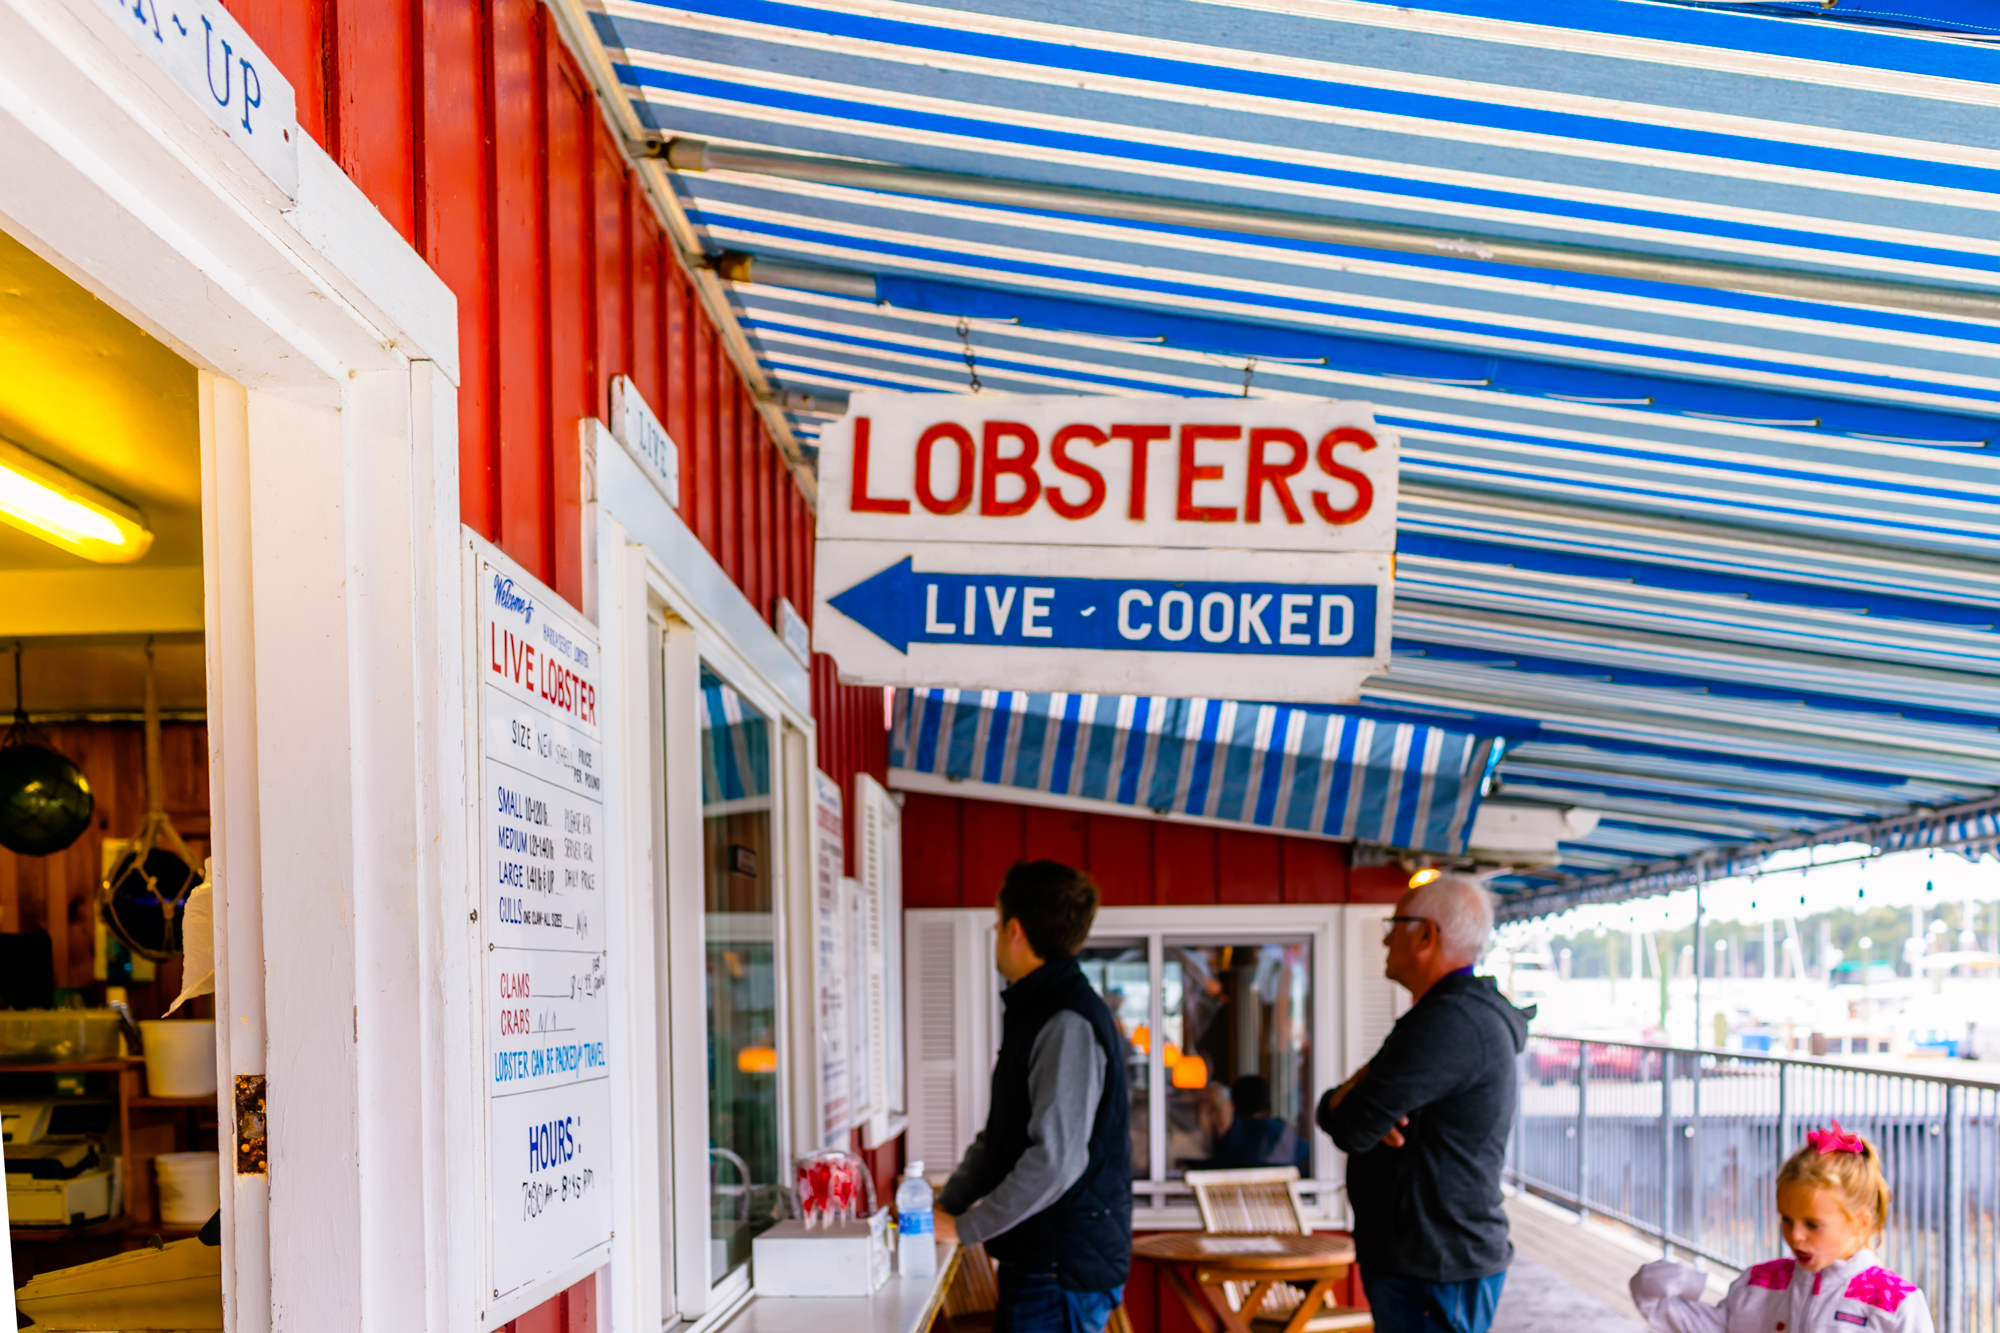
pixel 817 1186
pixel 831 1186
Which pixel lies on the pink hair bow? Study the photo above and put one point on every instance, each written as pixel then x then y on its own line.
pixel 1835 1139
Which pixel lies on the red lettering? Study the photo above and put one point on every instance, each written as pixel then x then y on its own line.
pixel 493 650
pixel 859 500
pixel 1278 475
pixel 1141 437
pixel 1186 509
pixel 928 498
pixel 994 465
pixel 1093 499
pixel 1364 489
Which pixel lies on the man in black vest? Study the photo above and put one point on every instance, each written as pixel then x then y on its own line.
pixel 1047 1185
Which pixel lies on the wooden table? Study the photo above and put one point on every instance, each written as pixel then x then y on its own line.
pixel 1197 1265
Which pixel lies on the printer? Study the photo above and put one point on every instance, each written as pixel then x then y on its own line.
pixel 58 1172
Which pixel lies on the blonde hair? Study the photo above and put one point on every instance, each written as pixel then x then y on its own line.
pixel 1855 1177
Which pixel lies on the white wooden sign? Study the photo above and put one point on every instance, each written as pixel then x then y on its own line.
pixel 541 923
pixel 212 60
pixel 634 426
pixel 1239 548
pixel 830 965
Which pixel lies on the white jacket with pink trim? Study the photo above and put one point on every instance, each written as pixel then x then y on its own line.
pixel 1781 1297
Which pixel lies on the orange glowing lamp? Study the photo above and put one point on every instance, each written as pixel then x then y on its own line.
pixel 1191 1071
pixel 1142 1037
pixel 757 1060
pixel 1171 1056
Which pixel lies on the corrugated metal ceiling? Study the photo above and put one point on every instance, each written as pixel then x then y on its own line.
pixel 1724 567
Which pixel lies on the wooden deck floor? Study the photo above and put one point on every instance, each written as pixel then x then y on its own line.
pixel 1572 1278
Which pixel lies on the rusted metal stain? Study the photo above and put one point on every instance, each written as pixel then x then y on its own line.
pixel 252 1150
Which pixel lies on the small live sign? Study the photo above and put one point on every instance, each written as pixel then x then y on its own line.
pixel 792 629
pixel 635 426
pixel 1234 548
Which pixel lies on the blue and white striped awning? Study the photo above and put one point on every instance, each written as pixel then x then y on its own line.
pixel 1724 566
pixel 1396 783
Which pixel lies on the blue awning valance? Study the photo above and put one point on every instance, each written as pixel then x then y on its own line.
pixel 1304 770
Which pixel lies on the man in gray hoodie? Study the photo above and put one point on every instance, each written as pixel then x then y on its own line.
pixel 1424 1123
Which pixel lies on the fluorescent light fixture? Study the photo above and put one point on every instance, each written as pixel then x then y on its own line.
pixel 41 499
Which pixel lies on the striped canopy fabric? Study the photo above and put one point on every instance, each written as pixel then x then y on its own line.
pixel 1722 564
pixel 1276 766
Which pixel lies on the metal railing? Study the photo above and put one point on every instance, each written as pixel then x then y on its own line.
pixel 1684 1146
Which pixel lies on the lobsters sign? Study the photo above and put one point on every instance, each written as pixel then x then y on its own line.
pixel 1239 548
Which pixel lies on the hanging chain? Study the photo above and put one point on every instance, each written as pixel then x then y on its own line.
pixel 971 362
pixel 1249 370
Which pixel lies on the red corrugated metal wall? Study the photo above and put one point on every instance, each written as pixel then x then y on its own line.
pixel 475 132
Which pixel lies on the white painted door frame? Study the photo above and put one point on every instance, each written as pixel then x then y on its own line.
pixel 327 353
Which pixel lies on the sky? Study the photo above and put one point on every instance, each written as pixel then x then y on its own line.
pixel 1845 876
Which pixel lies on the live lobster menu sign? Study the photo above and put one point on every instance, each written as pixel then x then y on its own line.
pixel 1234 548
pixel 542 928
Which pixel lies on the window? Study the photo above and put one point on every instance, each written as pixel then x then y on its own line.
pixel 739 924
pixel 1233 1019
pixel 1236 1052
pixel 1291 994
pixel 1120 974
pixel 1233 1053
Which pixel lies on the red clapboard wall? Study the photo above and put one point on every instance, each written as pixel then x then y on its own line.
pixel 956 851
pixel 473 130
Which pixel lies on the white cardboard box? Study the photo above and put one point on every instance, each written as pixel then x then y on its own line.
pixel 848 1259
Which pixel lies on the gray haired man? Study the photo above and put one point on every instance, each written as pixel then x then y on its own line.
pixel 1424 1123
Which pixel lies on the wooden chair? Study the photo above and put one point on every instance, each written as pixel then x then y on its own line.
pixel 1264 1201
pixel 975 1291
pixel 1252 1201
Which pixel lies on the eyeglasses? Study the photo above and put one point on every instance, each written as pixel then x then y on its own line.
pixel 1389 924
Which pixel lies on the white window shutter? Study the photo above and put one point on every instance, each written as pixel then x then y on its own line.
pixel 952 1000
pixel 860 1092
pixel 878 866
pixel 1374 1002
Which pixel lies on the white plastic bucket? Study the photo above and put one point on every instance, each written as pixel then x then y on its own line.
pixel 190 1186
pixel 180 1057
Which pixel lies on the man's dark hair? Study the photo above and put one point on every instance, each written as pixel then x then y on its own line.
pixel 1054 903
pixel 1251 1095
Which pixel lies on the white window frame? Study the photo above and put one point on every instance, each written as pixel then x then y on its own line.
pixel 684 649
pixel 665 608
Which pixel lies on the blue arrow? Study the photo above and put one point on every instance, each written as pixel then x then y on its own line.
pixel 901 607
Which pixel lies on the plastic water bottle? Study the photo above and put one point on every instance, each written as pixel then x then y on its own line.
pixel 916 1239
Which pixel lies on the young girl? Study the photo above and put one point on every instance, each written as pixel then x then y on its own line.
pixel 1832 1200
